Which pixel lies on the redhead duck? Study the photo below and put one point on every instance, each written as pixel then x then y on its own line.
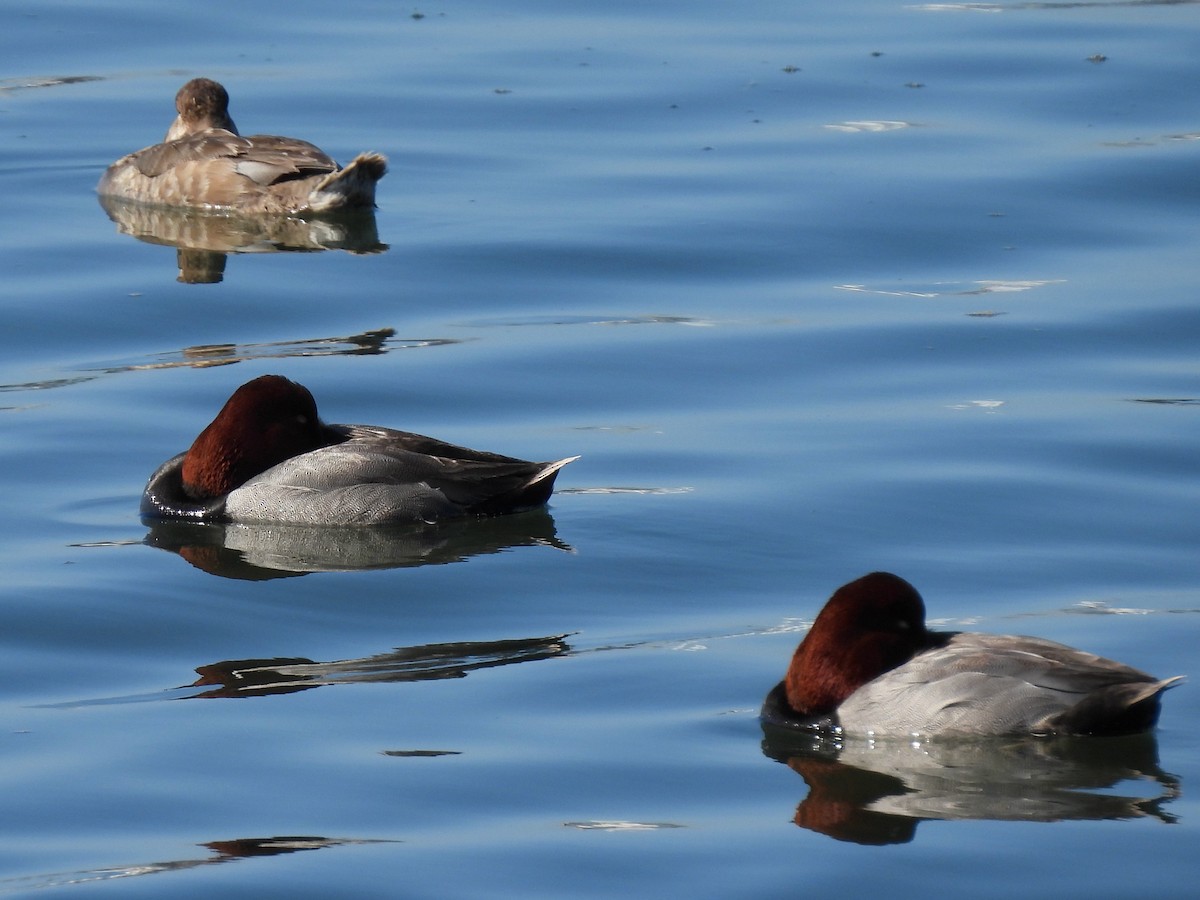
pixel 868 666
pixel 204 162
pixel 267 458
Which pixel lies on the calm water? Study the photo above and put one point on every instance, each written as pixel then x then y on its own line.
pixel 813 288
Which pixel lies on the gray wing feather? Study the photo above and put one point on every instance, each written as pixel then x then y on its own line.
pixel 993 684
pixel 381 475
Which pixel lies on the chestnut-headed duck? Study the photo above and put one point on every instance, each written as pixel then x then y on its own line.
pixel 268 458
pixel 868 666
pixel 204 162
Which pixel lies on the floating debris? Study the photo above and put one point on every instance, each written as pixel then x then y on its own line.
pixel 986 405
pixel 870 125
pixel 421 753
pixel 621 826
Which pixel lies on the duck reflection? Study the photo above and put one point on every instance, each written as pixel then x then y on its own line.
pixel 204 238
pixel 259 552
pixel 876 793
pixel 223 852
pixel 425 662
pixel 375 342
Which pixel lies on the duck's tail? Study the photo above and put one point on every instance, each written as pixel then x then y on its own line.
pixel 537 490
pixel 352 186
pixel 529 492
pixel 1116 709
pixel 550 469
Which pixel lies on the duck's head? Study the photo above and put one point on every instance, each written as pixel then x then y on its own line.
pixel 202 104
pixel 265 422
pixel 867 627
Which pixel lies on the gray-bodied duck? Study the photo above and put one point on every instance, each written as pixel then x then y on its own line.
pixel 267 458
pixel 870 667
pixel 205 163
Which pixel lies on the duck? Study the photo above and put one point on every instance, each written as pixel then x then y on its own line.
pixel 268 459
pixel 204 162
pixel 870 667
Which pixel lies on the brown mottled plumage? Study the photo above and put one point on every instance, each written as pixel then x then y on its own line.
pixel 204 162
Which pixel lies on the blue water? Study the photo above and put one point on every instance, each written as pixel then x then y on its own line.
pixel 814 289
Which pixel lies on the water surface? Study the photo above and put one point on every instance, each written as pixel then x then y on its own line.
pixel 813 290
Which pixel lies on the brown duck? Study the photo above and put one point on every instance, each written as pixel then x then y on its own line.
pixel 203 162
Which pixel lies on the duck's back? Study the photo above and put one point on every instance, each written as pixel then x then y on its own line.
pixel 217 168
pixel 380 475
pixel 1004 684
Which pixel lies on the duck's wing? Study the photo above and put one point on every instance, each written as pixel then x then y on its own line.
pixel 162 158
pixel 263 158
pixel 1001 684
pixel 477 481
pixel 389 440
pixel 1042 663
pixel 270 159
pixel 383 475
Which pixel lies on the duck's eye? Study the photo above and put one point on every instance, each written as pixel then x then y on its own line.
pixel 302 419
